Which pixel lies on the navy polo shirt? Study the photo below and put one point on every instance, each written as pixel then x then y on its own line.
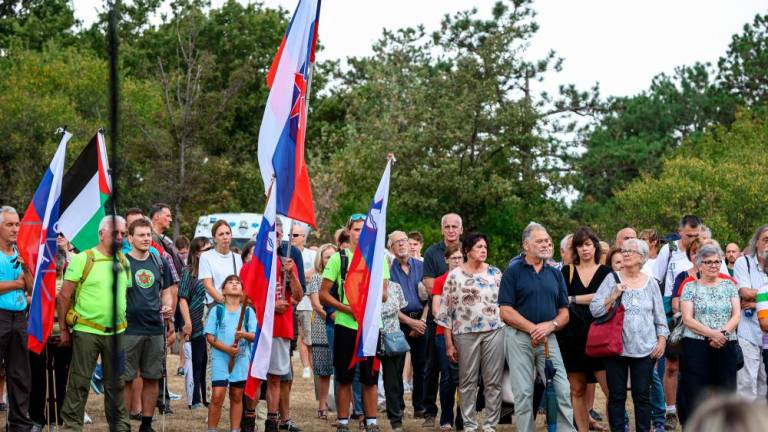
pixel 409 283
pixel 535 296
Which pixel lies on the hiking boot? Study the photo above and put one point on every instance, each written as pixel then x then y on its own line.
pixel 671 422
pixel 372 428
pixel 429 421
pixel 270 425
pixel 342 428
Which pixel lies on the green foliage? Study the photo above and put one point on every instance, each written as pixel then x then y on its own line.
pixel 35 23
pixel 719 176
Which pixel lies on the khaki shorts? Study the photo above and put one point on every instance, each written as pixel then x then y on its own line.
pixel 305 322
pixel 280 360
pixel 145 354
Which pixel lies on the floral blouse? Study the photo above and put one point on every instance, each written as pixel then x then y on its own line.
pixel 469 302
pixel 390 309
pixel 711 305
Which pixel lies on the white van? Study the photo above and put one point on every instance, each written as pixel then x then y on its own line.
pixel 244 226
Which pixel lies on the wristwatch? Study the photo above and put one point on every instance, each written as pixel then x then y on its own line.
pixel 572 299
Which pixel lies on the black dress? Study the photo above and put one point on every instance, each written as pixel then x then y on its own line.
pixel 573 338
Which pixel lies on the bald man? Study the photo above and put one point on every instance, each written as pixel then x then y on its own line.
pixel 623 235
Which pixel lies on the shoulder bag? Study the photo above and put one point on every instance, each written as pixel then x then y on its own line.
pixel 605 334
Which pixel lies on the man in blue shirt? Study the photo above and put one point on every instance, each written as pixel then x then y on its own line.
pixel 534 304
pixel 408 272
pixel 15 283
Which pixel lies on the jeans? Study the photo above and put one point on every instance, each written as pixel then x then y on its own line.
pixel 449 381
pixel 658 405
pixel 640 371
pixel 418 351
pixel 704 368
pixel 393 388
pixel 432 372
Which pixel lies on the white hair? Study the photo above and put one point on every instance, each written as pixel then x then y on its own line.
pixel 564 241
pixel 532 226
pixel 4 210
pixel 392 235
pixel 304 227
pixel 640 245
pixel 447 215
pixel 106 222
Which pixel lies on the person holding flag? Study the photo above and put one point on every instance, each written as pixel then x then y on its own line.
pixel 15 283
pixel 355 285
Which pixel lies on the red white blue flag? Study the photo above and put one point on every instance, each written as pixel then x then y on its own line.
pixel 37 245
pixel 260 281
pixel 284 126
pixel 365 279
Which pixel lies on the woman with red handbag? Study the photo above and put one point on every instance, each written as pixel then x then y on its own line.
pixel 643 334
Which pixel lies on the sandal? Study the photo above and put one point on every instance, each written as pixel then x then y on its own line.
pixel 322 414
pixel 595 426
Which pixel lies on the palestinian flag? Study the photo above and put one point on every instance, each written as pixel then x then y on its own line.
pixel 85 189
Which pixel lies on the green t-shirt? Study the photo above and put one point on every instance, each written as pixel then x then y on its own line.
pixel 332 272
pixel 93 299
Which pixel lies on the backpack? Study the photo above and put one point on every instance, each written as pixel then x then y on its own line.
pixel 73 317
pixel 672 249
pixel 220 315
pixel 337 290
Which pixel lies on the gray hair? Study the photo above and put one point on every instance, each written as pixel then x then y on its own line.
pixel 752 248
pixel 708 249
pixel 303 227
pixel 447 215
pixel 106 222
pixel 564 241
pixel 706 232
pixel 532 226
pixel 6 209
pixel 640 245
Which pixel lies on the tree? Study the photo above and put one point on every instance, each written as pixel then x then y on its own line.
pixel 719 176
pixel 34 23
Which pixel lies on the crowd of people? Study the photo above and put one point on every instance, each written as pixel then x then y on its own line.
pixel 452 325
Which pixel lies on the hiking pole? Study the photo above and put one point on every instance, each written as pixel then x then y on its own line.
pixel 165 375
pixel 55 398
pixel 46 410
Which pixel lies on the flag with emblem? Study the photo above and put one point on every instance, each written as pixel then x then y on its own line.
pixel 37 246
pixel 283 128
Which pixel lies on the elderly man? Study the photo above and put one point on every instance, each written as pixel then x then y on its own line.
pixel 750 274
pixel 434 266
pixel 623 235
pixel 566 257
pixel 15 283
pixel 408 272
pixel 86 322
pixel 534 304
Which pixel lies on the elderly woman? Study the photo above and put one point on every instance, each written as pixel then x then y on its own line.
pixel 644 334
pixel 711 311
pixel 470 314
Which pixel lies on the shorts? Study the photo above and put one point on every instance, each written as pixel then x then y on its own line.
pixel 280 358
pixel 344 341
pixel 144 353
pixel 227 383
pixel 305 322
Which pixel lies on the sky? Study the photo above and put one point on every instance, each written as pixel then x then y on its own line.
pixel 622 44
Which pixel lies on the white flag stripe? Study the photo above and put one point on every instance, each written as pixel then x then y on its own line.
pixel 280 100
pixel 372 315
pixel 80 211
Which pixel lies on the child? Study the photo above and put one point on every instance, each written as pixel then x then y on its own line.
pixel 221 332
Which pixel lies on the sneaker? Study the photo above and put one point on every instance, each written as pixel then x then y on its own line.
pixel 174 396
pixel 164 409
pixel 429 421
pixel 372 428
pixel 197 406
pixel 671 422
pixel 418 414
pixel 36 428
pixel 341 428
pixel 97 385
pixel 307 373
pixel 135 416
pixel 289 426
pixel 446 428
pixel 180 371
pixel 87 419
pixel 595 415
pixel 659 427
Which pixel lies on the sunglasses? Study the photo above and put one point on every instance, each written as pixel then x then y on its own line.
pixel 297 235
pixel 357 217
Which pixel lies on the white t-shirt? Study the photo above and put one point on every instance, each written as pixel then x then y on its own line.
pixel 748 274
pixel 216 266
pixel 650 263
pixel 677 264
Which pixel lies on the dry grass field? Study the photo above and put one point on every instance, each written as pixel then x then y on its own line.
pixel 303 406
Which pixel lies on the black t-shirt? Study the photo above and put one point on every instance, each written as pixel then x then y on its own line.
pixel 143 298
pixel 434 261
pixel 579 316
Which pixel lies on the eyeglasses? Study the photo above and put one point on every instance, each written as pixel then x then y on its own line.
pixel 456 258
pixel 297 235
pixel 399 242
pixel 712 263
pixel 629 252
pixel 357 217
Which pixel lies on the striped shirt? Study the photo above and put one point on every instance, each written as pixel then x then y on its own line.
pixel 192 290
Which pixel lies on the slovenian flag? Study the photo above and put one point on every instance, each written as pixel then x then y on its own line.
pixel 365 278
pixel 260 281
pixel 284 126
pixel 37 245
pixel 84 193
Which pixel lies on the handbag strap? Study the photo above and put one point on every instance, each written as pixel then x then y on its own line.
pixel 612 311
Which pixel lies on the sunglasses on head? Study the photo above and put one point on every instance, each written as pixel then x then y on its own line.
pixel 357 217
